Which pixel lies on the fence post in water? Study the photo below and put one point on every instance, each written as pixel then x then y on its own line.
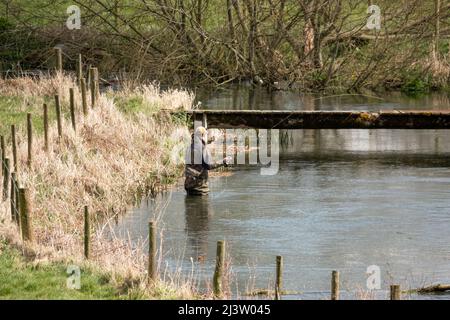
pixel 58 115
pixel 218 272
pixel 269 142
pixel 14 147
pixel 3 153
pixel 45 127
pixel 257 139
pixel 247 148
pixel 87 233
pixel 6 178
pixel 12 196
pixel 83 96
pixel 59 63
pixel 79 69
pixel 72 109
pixel 25 214
pixel 395 292
pixel 279 279
pixel 335 285
pixel 152 277
pixel 224 143
pixel 30 139
pixel 235 148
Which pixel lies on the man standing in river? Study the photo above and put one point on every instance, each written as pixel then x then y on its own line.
pixel 198 163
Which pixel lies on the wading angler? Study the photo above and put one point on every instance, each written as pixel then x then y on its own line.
pixel 260 147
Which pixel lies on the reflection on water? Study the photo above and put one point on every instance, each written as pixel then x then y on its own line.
pixel 343 199
pixel 242 98
pixel 198 211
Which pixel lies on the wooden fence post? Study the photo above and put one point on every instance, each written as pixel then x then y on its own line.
pixel 59 61
pixel 14 147
pixel 14 207
pixel 25 215
pixel 395 292
pixel 30 139
pixel 335 285
pixel 236 149
pixel 247 148
pixel 3 153
pixel 16 195
pixel 87 233
pixel 97 83
pixel 58 115
pixel 89 74
pixel 93 87
pixel 72 109
pixel 6 178
pixel 278 284
pixel 79 69
pixel 218 272
pixel 58 58
pixel 152 275
pixel 46 127
pixel 225 143
pixel 84 96
pixel 257 143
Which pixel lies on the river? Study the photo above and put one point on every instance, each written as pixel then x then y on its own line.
pixel 342 200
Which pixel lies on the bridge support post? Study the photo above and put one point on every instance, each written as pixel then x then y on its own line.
pixel 205 121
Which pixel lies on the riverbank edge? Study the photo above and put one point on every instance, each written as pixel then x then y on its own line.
pixel 37 254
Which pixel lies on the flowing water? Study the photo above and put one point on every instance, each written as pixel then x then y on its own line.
pixel 342 200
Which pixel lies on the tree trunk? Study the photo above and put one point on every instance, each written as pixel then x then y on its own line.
pixel 308 33
pixel 311 31
pixel 317 53
pixel 252 36
pixel 230 19
pixel 434 288
pixel 435 49
pixel 198 12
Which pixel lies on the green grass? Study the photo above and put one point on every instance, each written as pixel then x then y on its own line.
pixel 9 114
pixel 13 110
pixel 19 280
pixel 134 104
pixel 131 104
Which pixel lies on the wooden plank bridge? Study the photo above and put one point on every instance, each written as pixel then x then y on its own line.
pixel 271 119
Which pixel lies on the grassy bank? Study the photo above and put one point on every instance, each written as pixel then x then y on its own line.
pixel 20 279
pixel 124 149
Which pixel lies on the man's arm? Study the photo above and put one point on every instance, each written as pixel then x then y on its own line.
pixel 211 166
pixel 215 165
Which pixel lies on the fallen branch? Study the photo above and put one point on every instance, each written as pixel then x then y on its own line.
pixel 266 292
pixel 431 289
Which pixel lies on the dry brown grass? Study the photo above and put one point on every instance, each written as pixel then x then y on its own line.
pixel 153 96
pixel 104 165
pixel 439 70
pixel 46 85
